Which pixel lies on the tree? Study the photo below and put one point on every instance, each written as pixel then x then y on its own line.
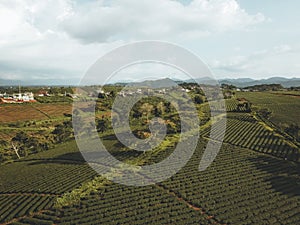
pixel 161 108
pixel 33 144
pixel 2 158
pixel 102 125
pixel 22 144
pixel 198 99
pixel 147 109
pixel 112 94
pixel 20 137
pixel 63 132
pixel 19 142
pixel 101 95
pixel 136 113
pixel 171 127
pixel 16 150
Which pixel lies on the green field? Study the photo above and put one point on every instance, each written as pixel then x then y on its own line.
pixel 244 130
pixel 255 178
pixel 285 107
pixel 240 187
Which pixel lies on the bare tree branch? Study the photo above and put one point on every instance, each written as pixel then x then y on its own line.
pixel 16 150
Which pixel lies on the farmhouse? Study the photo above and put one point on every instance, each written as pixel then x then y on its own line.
pixel 17 98
pixel 42 93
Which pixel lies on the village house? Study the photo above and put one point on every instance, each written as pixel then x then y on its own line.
pixel 43 93
pixel 17 98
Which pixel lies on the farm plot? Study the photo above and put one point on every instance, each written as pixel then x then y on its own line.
pixel 18 205
pixel 49 177
pixel 32 184
pixel 18 112
pixel 285 108
pixel 244 131
pixel 230 104
pixel 119 204
pixel 240 187
pixel 54 110
pixel 30 112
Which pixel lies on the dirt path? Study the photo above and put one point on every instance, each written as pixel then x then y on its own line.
pixel 23 217
pixel 189 204
pixel 41 111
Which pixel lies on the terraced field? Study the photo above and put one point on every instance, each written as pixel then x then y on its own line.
pixel 284 108
pixel 245 131
pixel 31 185
pixel 240 187
pixel 230 104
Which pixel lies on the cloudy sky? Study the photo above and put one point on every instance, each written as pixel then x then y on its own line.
pixel 61 39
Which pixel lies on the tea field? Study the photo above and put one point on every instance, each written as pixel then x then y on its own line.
pixel 255 178
pixel 242 186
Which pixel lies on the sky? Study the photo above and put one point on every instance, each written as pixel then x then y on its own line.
pixel 60 39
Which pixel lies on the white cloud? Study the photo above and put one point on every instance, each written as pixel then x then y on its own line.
pixel 282 49
pixel 99 22
pixel 33 40
pixel 148 71
pixel 280 60
pixel 40 38
pixel 33 46
pixel 14 24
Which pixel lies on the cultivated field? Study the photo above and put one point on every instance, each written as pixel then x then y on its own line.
pixel 30 112
pixel 285 108
pixel 255 179
pixel 241 187
pixel 244 130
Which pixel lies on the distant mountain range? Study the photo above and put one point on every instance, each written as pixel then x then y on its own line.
pixel 239 82
pixel 166 82
pixel 38 82
pixel 246 82
pixel 162 83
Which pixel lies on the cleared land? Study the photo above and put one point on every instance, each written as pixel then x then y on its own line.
pixel 31 112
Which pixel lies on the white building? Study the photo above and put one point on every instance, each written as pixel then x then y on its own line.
pixel 23 97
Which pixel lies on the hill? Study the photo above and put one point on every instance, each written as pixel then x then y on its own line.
pixel 160 83
pixel 245 82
